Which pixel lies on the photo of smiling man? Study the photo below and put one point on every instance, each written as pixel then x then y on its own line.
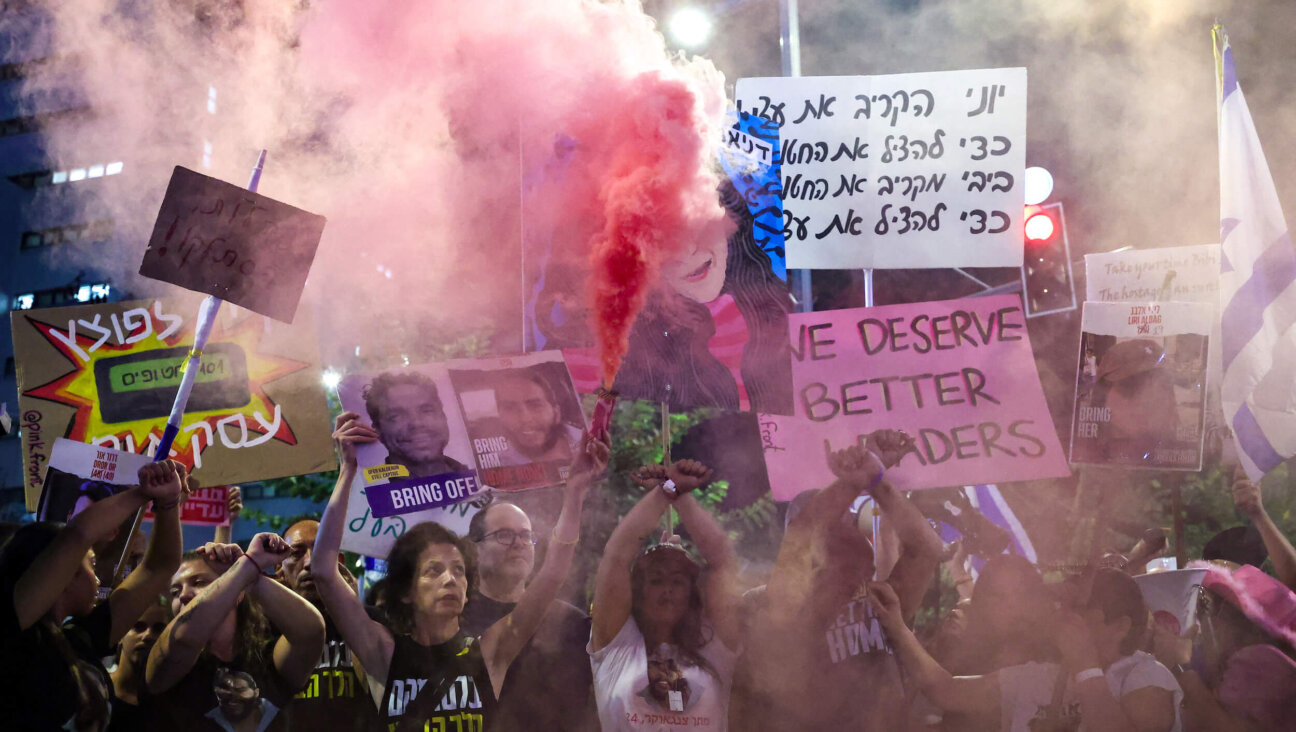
pixel 524 419
pixel 406 409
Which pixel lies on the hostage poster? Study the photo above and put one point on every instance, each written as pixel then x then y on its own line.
pixel 957 375
pixel 450 431
pixel 1141 385
pixel 107 374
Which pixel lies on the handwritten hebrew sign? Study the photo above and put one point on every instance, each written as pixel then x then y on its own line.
pixel 958 375
pixel 1141 385
pixel 902 171
pixel 226 241
pixel 107 375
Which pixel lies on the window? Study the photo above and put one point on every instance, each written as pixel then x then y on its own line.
pixel 92 232
pixel 40 178
pixel 58 296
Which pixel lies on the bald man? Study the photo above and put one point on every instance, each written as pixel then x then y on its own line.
pixel 335 696
pixel 550 685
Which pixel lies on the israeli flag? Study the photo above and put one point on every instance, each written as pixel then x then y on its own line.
pixel 1257 287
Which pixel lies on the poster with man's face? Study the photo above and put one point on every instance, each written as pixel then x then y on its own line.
pixel 523 417
pixel 79 475
pixel 421 432
pixel 1141 385
pixel 449 431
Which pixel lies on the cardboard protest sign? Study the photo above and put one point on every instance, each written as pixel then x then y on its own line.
pixel 79 475
pixel 107 374
pixel 902 171
pixel 957 375
pixel 203 507
pixel 523 417
pixel 1141 385
pixel 242 247
pixel 1172 597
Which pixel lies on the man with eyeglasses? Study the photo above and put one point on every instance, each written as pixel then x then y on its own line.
pixel 550 685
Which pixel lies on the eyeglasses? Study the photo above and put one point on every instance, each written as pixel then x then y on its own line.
pixel 508 536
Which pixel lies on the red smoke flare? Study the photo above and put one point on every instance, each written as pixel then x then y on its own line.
pixel 658 158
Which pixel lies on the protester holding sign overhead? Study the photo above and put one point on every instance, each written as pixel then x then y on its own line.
pixel 421 668
pixel 52 634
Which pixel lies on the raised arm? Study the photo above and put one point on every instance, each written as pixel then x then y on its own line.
pixel 722 593
pixel 920 547
pixel 185 637
pixel 504 640
pixel 234 501
pixel 1246 496
pixel 298 650
pixel 612 581
pixel 166 480
pixel 1149 709
pixel 368 639
pixel 44 581
pixel 949 692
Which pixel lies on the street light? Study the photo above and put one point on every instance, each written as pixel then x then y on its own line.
pixel 690 28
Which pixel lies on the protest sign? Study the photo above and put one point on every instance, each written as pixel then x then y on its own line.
pixel 1141 385
pixel 1183 274
pixel 79 475
pixel 373 536
pixel 957 375
pixel 901 171
pixel 749 154
pixel 449 431
pixel 203 507
pixel 1172 598
pixel 240 246
pixel 107 374
pixel 523 417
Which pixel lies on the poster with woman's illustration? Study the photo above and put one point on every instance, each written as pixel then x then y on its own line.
pixel 712 334
pixel 1141 385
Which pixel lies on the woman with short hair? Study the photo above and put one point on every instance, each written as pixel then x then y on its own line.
pixel 423 671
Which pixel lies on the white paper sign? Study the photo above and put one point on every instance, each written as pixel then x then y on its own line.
pixel 902 171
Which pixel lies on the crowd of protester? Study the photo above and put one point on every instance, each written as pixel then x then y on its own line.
pixel 464 633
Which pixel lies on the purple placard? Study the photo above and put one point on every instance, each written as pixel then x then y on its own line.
pixel 418 494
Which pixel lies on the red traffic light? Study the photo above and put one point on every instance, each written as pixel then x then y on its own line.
pixel 1039 227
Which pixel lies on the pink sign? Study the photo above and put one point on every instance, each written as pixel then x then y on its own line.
pixel 958 375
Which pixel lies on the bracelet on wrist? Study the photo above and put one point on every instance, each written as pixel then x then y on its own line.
pixel 669 488
pixel 165 507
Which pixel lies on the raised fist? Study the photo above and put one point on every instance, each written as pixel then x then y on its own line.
pixel 689 475
pixel 267 550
